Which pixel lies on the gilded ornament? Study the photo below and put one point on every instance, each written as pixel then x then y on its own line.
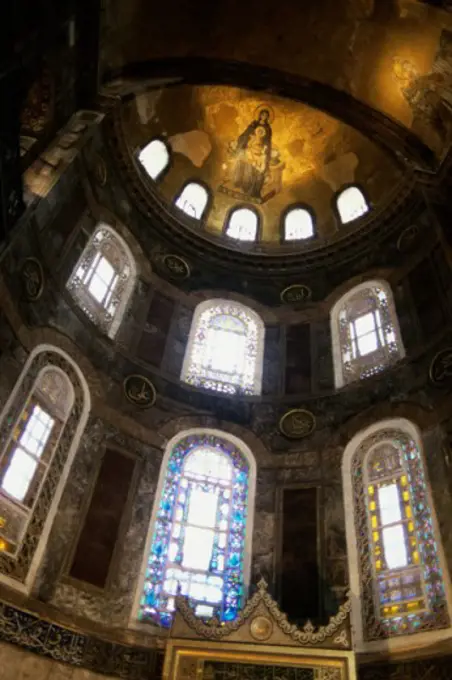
pixel 308 635
pixel 295 294
pixel 441 368
pixel 177 266
pixel 33 278
pixel 297 423
pixel 261 628
pixel 139 391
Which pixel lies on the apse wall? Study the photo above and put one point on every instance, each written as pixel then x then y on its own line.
pixel 88 567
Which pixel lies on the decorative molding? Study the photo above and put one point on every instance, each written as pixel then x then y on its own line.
pixel 335 632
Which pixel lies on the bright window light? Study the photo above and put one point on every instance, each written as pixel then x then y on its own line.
pixel 25 456
pixel 242 225
pixel 193 200
pixel 298 225
pixel 154 158
pixel 351 204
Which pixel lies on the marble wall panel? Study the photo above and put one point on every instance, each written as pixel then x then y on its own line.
pixel 110 606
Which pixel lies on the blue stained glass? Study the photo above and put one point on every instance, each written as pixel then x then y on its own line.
pixel 199 535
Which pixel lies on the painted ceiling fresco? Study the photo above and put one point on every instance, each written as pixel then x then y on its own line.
pixel 395 55
pixel 251 148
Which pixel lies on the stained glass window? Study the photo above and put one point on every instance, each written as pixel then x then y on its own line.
pixel 242 225
pixel 29 449
pixel 225 348
pixel 298 225
pixel 394 538
pixel 154 157
pixel 193 200
pixel 351 204
pixel 104 278
pixel 200 528
pixel 365 331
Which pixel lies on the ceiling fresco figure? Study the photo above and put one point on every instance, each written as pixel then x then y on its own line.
pixel 255 170
pixel 430 95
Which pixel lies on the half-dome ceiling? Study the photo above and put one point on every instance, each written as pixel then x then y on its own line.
pixel 393 55
pixel 260 151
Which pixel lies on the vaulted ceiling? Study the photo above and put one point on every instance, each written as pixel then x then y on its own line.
pixel 384 67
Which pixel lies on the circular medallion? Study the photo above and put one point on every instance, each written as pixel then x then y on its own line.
pixel 32 278
pixel 100 171
pixel 177 266
pixel 139 391
pixel 295 294
pixel 441 368
pixel 297 423
pixel 408 239
pixel 261 628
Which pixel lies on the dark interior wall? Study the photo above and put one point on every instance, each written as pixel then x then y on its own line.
pixel 299 567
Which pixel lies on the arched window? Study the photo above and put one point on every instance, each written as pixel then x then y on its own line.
pixel 365 332
pixel 193 200
pixel 392 541
pixel 225 348
pixel 41 425
pixel 351 204
pixel 154 157
pixel 201 528
pixel 298 225
pixel 104 278
pixel 242 224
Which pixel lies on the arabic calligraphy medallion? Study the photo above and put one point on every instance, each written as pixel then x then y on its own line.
pixel 297 423
pixel 33 278
pixel 139 391
pixel 295 294
pixel 441 368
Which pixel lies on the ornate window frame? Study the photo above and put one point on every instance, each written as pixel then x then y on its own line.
pixel 371 633
pixel 125 269
pixel 347 368
pixel 194 373
pixel 19 571
pixel 187 438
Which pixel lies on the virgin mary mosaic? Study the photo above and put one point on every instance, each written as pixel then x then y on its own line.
pixel 254 168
